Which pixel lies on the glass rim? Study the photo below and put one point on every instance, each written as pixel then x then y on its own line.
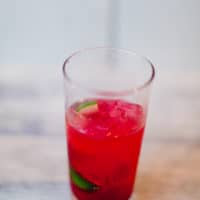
pixel 106 92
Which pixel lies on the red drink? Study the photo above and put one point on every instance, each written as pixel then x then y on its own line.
pixel 104 139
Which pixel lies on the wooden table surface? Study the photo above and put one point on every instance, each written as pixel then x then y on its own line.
pixel 32 141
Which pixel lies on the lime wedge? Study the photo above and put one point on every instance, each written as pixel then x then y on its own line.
pixel 81 182
pixel 87 107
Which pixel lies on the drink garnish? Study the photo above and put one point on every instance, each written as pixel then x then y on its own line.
pixel 81 182
pixel 87 107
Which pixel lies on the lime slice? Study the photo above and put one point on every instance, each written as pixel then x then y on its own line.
pixel 81 182
pixel 87 107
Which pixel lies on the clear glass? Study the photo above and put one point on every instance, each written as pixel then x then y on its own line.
pixel 106 94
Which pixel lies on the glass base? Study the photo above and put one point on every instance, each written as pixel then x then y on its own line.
pixel 131 198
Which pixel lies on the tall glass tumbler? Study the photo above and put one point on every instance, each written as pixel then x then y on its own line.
pixel 106 94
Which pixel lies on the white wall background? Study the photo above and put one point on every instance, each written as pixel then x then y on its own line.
pixel 46 31
pixel 167 31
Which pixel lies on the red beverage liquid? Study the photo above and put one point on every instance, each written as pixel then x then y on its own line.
pixel 103 147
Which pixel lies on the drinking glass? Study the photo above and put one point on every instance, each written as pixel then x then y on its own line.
pixel 106 102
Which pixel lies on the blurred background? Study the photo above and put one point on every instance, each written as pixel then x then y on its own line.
pixel 35 39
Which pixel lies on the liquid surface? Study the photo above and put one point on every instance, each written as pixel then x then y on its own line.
pixel 103 147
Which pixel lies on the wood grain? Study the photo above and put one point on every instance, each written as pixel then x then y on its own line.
pixel 32 141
